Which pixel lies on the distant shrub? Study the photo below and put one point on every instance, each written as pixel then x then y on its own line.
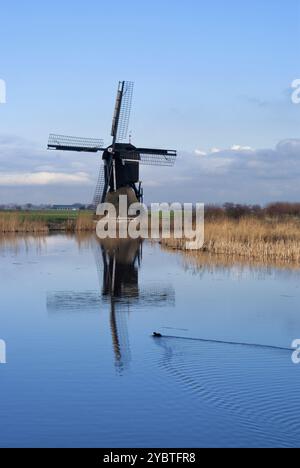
pixel 239 211
pixel 280 209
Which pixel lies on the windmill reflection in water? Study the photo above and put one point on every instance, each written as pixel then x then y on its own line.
pixel 118 264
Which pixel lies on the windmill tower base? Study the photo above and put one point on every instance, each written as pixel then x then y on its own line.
pixel 113 198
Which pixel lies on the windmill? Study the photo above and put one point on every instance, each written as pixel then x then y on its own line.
pixel 119 170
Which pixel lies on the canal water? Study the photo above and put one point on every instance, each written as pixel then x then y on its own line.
pixel 83 369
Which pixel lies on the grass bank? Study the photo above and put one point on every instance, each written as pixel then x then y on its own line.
pixel 45 221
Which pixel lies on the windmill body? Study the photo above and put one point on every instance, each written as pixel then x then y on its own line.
pixel 127 173
pixel 120 165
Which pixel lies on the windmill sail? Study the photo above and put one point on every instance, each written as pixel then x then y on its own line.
pixel 100 191
pixel 122 111
pixel 114 128
pixel 151 157
pixel 125 111
pixel 70 143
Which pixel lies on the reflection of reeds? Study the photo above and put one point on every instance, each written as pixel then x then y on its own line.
pixel 17 222
pixel 15 242
pixel 85 222
pixel 249 238
pixel 202 262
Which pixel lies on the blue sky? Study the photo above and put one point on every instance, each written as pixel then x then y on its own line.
pixel 208 74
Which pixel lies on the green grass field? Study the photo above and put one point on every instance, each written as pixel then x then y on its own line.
pixel 47 216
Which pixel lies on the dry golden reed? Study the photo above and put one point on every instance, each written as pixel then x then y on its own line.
pixel 85 222
pixel 17 223
pixel 249 238
pixel 34 223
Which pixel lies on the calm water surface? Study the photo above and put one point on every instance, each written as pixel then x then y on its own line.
pixel 83 369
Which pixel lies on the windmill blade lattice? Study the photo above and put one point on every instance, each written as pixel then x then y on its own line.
pixel 125 110
pixel 100 186
pixel 151 157
pixel 71 143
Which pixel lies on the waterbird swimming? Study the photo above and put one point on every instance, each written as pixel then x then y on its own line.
pixel 156 335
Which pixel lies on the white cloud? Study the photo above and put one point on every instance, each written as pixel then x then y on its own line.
pixel 237 174
pixel 199 152
pixel 45 168
pixel 264 175
pixel 43 178
pixel 78 165
pixel 152 183
pixel 241 148
pixel 214 150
